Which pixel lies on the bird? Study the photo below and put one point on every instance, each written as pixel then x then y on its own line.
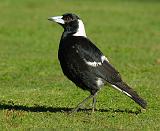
pixel 85 65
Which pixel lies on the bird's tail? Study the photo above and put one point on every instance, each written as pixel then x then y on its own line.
pixel 123 87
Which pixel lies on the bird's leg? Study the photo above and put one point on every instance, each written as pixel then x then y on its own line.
pixel 94 102
pixel 80 104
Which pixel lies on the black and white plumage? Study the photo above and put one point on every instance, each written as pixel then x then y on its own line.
pixel 84 64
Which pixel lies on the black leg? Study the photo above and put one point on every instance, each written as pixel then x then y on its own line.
pixel 80 104
pixel 94 102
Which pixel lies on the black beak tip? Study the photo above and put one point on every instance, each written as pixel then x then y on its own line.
pixel 50 19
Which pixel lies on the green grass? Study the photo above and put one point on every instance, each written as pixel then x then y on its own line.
pixel 33 90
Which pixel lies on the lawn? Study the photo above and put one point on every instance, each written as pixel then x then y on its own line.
pixel 34 93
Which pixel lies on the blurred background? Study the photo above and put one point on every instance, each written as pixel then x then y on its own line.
pixel 127 32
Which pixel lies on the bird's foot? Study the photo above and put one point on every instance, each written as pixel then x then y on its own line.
pixel 93 110
pixel 73 111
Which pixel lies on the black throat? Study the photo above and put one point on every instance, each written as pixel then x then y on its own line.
pixel 70 28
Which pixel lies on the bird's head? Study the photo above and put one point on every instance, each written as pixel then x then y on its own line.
pixel 71 23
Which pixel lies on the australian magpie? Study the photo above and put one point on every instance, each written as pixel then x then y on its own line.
pixel 84 64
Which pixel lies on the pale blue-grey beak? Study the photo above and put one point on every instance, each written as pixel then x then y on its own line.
pixel 57 19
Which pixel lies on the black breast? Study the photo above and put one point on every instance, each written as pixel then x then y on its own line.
pixel 73 65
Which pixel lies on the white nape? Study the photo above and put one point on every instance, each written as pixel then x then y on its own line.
pixel 122 91
pixel 81 29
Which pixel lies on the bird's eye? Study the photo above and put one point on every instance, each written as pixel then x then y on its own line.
pixel 67 19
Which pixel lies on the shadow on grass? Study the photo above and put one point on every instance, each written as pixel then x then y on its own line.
pixel 37 108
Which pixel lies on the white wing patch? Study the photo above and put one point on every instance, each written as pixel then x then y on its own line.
pixel 95 64
pixel 103 58
pixel 122 91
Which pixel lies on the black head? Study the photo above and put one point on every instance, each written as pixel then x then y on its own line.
pixel 68 21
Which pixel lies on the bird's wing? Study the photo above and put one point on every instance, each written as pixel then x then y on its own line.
pixel 97 62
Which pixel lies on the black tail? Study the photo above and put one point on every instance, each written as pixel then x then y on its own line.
pixel 123 87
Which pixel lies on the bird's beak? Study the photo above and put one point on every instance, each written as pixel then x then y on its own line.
pixel 57 19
